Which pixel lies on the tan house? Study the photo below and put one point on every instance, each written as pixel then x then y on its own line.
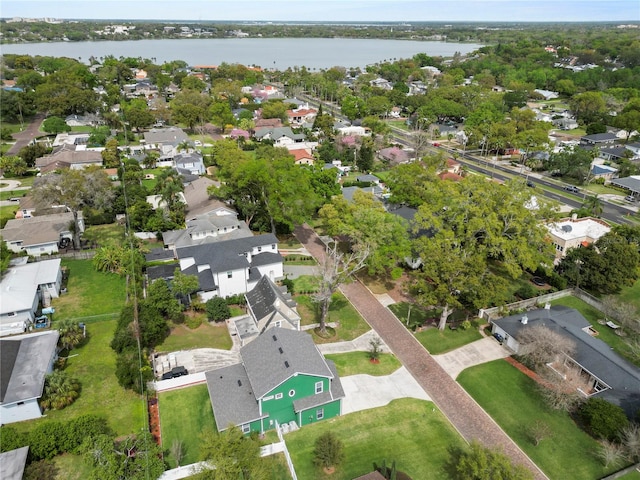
pixel 575 233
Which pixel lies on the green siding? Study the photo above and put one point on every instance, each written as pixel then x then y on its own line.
pixel 330 410
pixel 281 410
pixel 255 426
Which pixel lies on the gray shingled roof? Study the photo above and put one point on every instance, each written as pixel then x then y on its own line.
pixel 37 230
pixel 168 136
pixel 593 354
pixel 268 300
pixel 231 396
pixel 12 463
pixel 227 255
pixel 24 366
pixel 266 366
pixel 162 271
pixel 159 254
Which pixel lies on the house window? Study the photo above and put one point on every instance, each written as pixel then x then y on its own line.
pixel 273 246
pixel 292 392
pixel 278 323
pixel 319 387
pixel 11 314
pixel 278 396
pixel 320 414
pixel 246 428
pixel 229 274
pixel 259 249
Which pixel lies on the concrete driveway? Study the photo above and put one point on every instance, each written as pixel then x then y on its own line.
pixel 481 351
pixel 365 391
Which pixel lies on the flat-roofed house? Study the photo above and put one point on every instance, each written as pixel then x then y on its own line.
pixel 575 233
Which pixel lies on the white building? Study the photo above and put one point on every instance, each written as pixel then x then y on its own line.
pixel 575 233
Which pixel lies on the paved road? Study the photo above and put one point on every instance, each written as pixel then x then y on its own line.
pixel 27 135
pixel 463 412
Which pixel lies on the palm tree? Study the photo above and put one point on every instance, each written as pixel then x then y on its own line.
pixel 71 335
pixel 593 204
pixel 60 391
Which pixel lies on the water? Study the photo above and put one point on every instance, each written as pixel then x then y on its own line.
pixel 278 53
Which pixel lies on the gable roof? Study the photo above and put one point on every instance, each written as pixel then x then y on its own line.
pixel 19 286
pixel 394 155
pixel 591 353
pixel 25 362
pixel 632 183
pixel 37 230
pixel 12 463
pixel 265 364
pixel 168 136
pixel 228 254
pixel 271 303
pixel 277 133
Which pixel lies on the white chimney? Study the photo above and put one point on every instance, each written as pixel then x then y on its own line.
pixel 574 217
pixel 524 320
pixel 547 306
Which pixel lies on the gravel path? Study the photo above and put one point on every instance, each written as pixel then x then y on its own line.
pixel 463 412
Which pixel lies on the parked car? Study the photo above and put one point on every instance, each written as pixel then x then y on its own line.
pixel 436 144
pixel 630 198
pixel 572 189
pixel 175 372
pixel 530 184
pixel 498 337
pixel 539 281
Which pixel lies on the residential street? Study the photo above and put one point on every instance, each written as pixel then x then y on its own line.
pixel 463 412
pixel 27 135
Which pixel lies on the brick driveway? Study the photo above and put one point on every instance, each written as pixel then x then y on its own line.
pixel 471 421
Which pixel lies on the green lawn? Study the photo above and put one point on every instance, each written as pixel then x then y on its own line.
pixel 436 341
pixel 351 324
pixel 632 295
pixel 354 363
pixel 72 467
pixel 184 414
pixel 6 195
pixel 512 400
pixel 205 336
pixel 305 284
pixel 7 213
pixel 94 365
pixel 111 234
pixel 412 432
pixel 592 314
pixel 90 293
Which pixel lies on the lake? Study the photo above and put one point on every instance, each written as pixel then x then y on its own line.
pixel 278 53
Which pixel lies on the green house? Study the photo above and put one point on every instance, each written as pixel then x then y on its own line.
pixel 283 378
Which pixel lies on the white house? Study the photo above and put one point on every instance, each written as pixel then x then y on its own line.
pixel 26 360
pixel 22 288
pixel 575 232
pixel 231 267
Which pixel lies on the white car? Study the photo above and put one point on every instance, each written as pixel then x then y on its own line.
pixel 630 198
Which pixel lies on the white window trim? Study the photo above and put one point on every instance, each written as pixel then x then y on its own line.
pixel 319 387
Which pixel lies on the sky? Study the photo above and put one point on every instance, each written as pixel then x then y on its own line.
pixel 330 10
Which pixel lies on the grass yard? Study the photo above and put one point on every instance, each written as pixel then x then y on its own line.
pixel 631 295
pixel 305 284
pixel 7 194
pixel 7 213
pixel 288 242
pixel 184 414
pixel 352 325
pixel 592 314
pixel 72 467
pixel 90 293
pixel 205 336
pixel 94 365
pixel 437 341
pixel 111 234
pixel 411 432
pixel 356 363
pixel 512 400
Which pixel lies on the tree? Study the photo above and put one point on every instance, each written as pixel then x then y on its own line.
pixel 336 268
pixel 593 204
pixel 572 162
pixel 630 441
pixel 481 463
pixel 369 227
pixel 136 457
pixel 589 107
pixel 111 154
pixel 184 285
pixel 5 257
pixel 31 152
pixel 170 188
pixel 76 189
pixel 604 267
pixel 541 345
pixel 611 453
pixel 55 125
pixel 137 114
pixel 177 450
pixel 13 166
pixel 603 419
pixel 191 108
pixel 233 454
pixel 217 309
pixel 60 391
pixel 328 450
pixel 458 238
pixel 71 335
pixel 160 297
pixel 538 431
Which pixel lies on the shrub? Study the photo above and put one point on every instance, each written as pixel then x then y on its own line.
pixel 236 300
pixel 217 309
pixel 527 291
pixel 328 451
pixel 193 321
pixel 603 419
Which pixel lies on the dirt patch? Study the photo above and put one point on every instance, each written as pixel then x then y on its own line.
pixel 154 420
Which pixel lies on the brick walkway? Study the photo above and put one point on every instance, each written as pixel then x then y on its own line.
pixel 463 412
